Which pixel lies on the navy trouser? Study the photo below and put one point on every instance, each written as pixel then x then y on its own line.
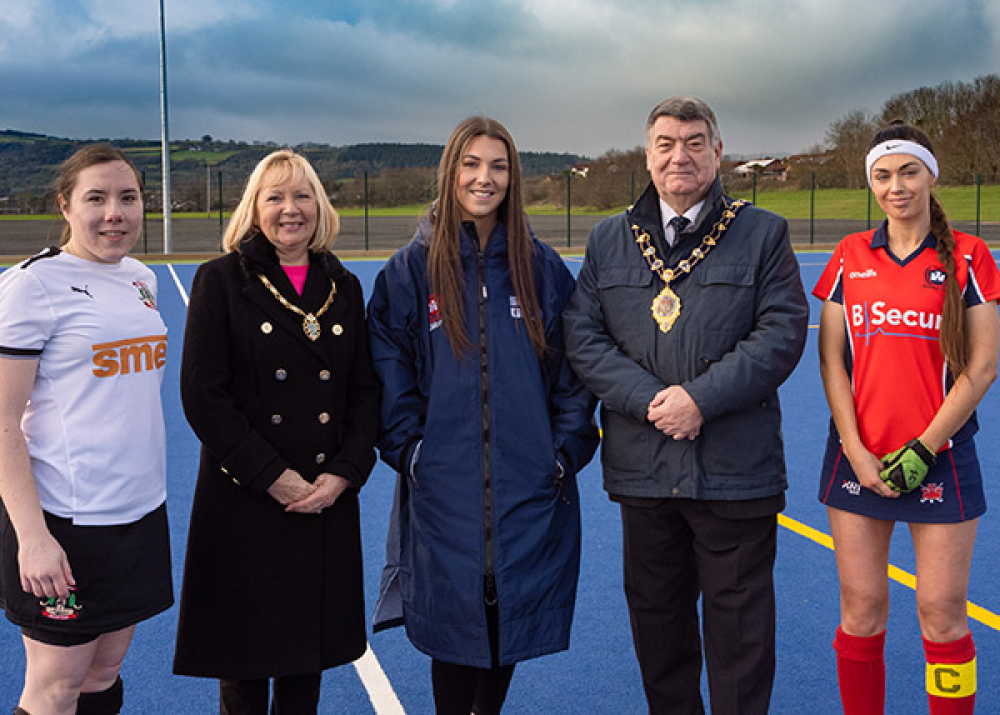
pixel 676 550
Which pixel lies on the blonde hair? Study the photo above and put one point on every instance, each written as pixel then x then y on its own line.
pixel 276 168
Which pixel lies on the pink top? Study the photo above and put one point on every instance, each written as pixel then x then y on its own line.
pixel 297 275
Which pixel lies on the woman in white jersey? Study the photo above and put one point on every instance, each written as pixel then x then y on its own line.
pixel 84 551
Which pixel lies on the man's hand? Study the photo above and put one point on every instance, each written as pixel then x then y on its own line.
pixel 904 470
pixel 674 413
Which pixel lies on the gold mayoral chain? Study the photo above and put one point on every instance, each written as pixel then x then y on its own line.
pixel 666 306
pixel 310 321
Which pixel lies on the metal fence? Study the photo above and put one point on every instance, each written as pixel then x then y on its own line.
pixel 818 217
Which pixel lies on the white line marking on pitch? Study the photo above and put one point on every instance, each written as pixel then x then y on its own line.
pixel 177 281
pixel 379 688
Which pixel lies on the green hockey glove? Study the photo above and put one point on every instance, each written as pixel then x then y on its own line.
pixel 905 469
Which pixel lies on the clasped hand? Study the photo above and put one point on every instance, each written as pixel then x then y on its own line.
pixel 299 496
pixel 675 414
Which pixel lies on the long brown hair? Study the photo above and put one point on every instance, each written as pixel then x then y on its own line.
pixel 444 254
pixel 69 172
pixel 954 342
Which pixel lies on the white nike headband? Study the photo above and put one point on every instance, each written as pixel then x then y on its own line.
pixel 900 146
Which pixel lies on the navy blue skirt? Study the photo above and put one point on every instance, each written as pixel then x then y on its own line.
pixel 952 491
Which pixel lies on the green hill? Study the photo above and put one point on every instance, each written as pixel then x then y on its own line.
pixel 28 161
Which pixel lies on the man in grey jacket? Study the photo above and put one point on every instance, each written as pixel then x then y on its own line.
pixel 688 314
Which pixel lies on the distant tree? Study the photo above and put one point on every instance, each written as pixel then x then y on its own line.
pixel 961 118
pixel 971 145
pixel 609 181
pixel 930 108
pixel 848 137
pixel 207 138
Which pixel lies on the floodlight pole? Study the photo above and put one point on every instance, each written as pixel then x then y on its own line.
pixel 165 135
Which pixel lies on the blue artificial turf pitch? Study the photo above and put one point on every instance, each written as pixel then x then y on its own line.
pixel 598 674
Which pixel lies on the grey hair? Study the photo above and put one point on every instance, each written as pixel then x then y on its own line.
pixel 686 109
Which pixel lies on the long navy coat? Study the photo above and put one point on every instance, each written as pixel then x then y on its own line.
pixel 267 592
pixel 483 435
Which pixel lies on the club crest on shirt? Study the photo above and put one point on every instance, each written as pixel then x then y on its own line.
pixel 145 294
pixel 433 314
pixel 61 609
pixel 935 277
pixel 932 493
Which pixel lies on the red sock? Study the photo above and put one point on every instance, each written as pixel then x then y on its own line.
pixel 951 676
pixel 861 672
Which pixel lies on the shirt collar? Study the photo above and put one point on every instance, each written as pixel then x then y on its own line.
pixel 667 213
pixel 880 239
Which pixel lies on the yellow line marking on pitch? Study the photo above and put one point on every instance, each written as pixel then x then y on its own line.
pixel 978 613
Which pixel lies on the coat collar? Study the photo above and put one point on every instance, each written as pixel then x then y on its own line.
pixel 646 211
pixel 468 241
pixel 258 257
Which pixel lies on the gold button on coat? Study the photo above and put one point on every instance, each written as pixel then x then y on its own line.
pixel 324 375
pixel 323 417
pixel 280 374
pixel 337 329
pixel 266 328
pixel 275 419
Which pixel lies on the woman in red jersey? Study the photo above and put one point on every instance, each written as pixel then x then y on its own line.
pixel 908 347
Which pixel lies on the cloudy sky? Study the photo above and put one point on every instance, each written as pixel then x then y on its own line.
pixel 563 75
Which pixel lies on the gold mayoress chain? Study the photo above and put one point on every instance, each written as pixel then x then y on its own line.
pixel 666 307
pixel 310 321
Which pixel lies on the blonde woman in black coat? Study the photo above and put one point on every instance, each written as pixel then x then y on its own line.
pixel 277 383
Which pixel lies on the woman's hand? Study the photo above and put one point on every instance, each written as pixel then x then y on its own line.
pixel 290 487
pixel 328 488
pixel 866 467
pixel 45 570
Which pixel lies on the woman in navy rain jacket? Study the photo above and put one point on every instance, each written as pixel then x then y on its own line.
pixel 487 425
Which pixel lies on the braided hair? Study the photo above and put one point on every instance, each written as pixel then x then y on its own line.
pixel 953 342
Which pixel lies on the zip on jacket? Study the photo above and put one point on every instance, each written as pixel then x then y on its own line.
pixel 484 394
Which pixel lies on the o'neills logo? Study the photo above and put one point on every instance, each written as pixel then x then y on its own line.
pixel 124 357
pixel 870 273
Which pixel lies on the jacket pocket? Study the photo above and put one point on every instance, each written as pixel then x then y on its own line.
pixel 621 289
pixel 744 444
pixel 625 446
pixel 728 294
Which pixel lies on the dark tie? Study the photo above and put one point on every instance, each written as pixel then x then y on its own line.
pixel 678 223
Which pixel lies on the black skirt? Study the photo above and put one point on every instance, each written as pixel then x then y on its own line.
pixel 122 575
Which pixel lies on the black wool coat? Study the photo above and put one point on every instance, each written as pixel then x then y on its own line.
pixel 266 592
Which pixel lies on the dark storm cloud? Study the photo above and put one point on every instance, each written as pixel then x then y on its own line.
pixel 564 76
